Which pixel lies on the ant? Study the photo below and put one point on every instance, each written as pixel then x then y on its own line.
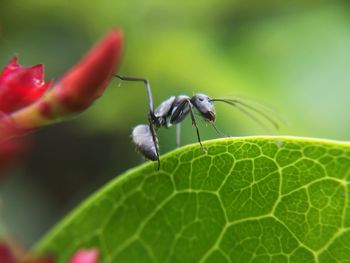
pixel 174 110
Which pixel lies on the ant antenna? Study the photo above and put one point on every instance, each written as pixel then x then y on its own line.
pixel 242 106
pixel 263 107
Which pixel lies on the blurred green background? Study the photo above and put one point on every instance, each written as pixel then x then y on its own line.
pixel 294 56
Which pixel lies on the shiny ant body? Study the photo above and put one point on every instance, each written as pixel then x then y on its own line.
pixel 173 111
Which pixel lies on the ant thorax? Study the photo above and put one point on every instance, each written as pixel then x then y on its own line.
pixel 171 111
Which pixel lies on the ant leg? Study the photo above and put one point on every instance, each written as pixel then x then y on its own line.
pixel 178 135
pixel 194 122
pixel 221 134
pixel 148 88
pixel 151 110
pixel 154 138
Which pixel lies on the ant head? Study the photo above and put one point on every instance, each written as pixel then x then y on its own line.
pixel 205 106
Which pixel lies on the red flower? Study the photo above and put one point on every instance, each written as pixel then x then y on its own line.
pixel 85 256
pixel 86 81
pixel 20 86
pixel 23 106
pixel 81 86
pixel 6 255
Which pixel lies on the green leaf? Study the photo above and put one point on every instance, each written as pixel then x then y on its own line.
pixel 255 199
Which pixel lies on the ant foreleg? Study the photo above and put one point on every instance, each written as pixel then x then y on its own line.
pixel 194 123
pixel 148 87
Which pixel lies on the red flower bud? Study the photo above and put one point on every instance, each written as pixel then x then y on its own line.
pixel 81 86
pixel 85 256
pixel 23 106
pixel 6 255
pixel 20 86
pixel 88 79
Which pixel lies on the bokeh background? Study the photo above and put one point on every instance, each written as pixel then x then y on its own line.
pixel 292 55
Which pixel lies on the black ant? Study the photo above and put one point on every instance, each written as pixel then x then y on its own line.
pixel 173 111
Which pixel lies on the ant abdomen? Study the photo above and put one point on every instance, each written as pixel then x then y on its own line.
pixel 143 139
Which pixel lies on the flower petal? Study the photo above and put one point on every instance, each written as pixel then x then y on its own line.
pixel 20 86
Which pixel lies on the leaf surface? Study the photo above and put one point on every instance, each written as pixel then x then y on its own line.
pixel 253 199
